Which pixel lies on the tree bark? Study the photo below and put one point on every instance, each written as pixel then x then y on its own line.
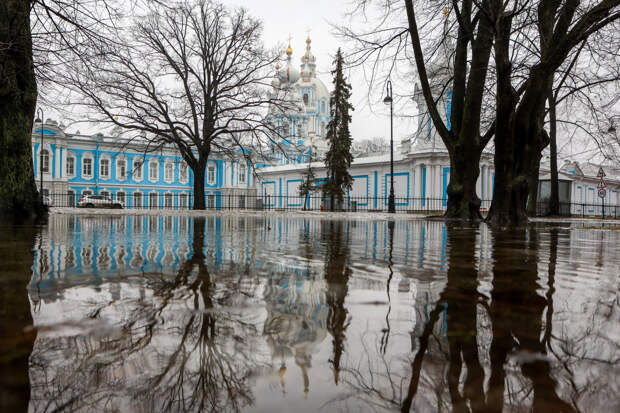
pixel 532 200
pixel 554 201
pixel 199 184
pixel 18 96
pixel 463 202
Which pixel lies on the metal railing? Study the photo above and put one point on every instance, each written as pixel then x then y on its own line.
pixel 219 201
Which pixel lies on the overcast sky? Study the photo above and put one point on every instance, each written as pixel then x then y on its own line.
pixel 294 17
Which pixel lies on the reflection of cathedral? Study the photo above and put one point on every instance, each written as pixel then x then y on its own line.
pixel 296 320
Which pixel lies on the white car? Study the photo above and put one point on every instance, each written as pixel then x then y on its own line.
pixel 98 201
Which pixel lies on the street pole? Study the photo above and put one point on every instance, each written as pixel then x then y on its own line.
pixel 40 114
pixel 389 101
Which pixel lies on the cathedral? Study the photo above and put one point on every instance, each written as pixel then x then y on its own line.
pixel 301 110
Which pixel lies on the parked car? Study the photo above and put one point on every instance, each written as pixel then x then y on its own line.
pixel 47 201
pixel 98 201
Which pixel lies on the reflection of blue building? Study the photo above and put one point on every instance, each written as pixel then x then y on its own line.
pixel 128 170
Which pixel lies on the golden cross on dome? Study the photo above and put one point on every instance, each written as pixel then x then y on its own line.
pixel 290 38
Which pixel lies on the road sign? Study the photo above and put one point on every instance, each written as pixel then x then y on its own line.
pixel 601 185
pixel 602 192
pixel 601 173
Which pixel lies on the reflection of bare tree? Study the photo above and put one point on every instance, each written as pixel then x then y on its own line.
pixel 16 338
pixel 182 348
pixel 461 296
pixel 337 274
pixel 517 314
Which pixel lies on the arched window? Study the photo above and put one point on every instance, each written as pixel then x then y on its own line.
pixel 242 173
pixel 70 166
pixel 211 174
pixel 137 169
pixel 153 171
pixel 45 160
pixel 87 167
pixel 183 172
pixel 168 172
pixel 104 168
pixel 305 98
pixel 121 168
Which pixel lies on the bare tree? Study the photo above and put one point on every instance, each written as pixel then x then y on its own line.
pixel 193 75
pixel 492 68
pixel 558 29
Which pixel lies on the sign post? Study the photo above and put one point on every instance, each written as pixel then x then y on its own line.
pixel 602 192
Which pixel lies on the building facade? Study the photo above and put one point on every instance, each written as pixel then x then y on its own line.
pixel 70 166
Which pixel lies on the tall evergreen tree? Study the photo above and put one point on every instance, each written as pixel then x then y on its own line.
pixel 338 158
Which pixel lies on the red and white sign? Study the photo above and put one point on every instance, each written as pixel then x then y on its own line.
pixel 602 192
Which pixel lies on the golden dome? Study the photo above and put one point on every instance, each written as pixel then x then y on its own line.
pixel 289 50
pixel 308 39
pixel 278 66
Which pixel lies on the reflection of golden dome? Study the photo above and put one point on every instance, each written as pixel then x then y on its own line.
pixel 289 51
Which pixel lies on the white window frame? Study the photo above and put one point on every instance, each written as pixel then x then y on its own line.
pixel 134 197
pixel 70 156
pixel 105 194
pixel 183 200
pixel 211 204
pixel 168 196
pixel 140 169
pixel 44 158
pixel 121 165
pixel 243 176
pixel 150 197
pixel 183 177
pixel 85 158
pixel 156 163
pixel 101 162
pixel 123 196
pixel 168 164
pixel 209 180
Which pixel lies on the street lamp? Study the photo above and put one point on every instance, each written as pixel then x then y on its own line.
pixel 39 119
pixel 389 101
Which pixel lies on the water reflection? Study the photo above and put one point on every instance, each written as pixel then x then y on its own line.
pixel 256 313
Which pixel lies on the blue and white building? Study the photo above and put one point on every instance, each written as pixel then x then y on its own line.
pixel 78 165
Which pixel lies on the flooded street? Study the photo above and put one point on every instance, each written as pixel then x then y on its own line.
pixel 281 314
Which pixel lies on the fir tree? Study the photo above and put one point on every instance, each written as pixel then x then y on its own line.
pixel 338 158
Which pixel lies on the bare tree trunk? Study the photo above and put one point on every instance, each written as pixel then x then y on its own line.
pixel 18 96
pixel 554 201
pixel 532 200
pixel 199 184
pixel 463 202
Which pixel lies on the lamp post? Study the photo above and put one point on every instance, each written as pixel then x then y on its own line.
pixel 40 120
pixel 389 101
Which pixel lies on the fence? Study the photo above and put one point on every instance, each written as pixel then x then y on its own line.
pixel 219 201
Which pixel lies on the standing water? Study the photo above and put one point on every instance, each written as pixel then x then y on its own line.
pixel 280 314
